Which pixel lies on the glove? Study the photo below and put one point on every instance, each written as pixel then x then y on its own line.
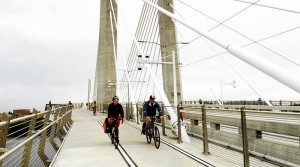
pixel 122 121
pixel 148 118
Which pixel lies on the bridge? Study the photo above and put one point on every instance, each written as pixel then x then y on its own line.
pixel 193 133
pixel 74 137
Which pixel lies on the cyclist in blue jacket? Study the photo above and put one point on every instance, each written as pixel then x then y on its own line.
pixel 149 109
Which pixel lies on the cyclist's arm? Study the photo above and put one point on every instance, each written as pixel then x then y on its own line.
pixel 159 110
pixel 109 110
pixel 121 111
pixel 145 109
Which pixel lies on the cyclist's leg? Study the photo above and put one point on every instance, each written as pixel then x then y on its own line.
pixel 148 123
pixel 118 121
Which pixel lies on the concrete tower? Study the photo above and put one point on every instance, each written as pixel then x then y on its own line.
pixel 168 44
pixel 106 66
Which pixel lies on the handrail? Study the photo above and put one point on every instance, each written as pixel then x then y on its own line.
pixel 33 115
pixel 30 138
pixel 292 108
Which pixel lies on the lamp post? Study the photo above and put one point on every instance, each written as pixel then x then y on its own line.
pixel 174 75
pixel 165 69
pixel 225 83
pixel 128 98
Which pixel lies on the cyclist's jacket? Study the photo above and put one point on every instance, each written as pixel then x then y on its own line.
pixel 115 110
pixel 94 105
pixel 150 109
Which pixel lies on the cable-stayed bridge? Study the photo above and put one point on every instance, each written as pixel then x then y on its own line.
pixel 152 65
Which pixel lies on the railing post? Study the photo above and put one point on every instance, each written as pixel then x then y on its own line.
pixel 179 124
pixel 245 138
pixel 59 125
pixel 163 121
pixel 131 112
pixel 137 113
pixel 41 150
pixel 53 130
pixel 204 131
pixel 28 146
pixel 3 134
pixel 126 115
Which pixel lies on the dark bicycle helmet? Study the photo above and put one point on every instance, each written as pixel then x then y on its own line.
pixel 152 97
pixel 115 97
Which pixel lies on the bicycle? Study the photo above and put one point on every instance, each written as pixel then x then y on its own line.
pixel 153 132
pixel 94 111
pixel 113 134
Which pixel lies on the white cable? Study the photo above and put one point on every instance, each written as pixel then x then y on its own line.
pixel 159 88
pixel 114 48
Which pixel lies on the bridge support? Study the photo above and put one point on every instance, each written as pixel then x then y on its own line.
pixel 168 43
pixel 106 66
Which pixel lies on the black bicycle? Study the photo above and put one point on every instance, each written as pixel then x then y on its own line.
pixel 113 134
pixel 153 132
pixel 94 111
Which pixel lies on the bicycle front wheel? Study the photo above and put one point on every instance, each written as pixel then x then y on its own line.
pixel 112 136
pixel 148 136
pixel 156 137
pixel 116 141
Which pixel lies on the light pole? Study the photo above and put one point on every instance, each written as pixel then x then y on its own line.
pixel 128 99
pixel 225 83
pixel 174 75
pixel 165 69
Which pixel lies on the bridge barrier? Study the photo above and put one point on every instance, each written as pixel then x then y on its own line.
pixel 33 140
pixel 258 130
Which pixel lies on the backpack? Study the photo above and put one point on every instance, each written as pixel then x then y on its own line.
pixel 106 126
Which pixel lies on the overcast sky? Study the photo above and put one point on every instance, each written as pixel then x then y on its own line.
pixel 48 48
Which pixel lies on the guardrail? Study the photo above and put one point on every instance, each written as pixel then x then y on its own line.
pixel 268 132
pixel 33 140
pixel 263 131
pixel 245 102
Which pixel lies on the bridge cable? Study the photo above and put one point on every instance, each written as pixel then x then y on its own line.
pixel 132 51
pixel 149 31
pixel 221 23
pixel 159 87
pixel 251 43
pixel 271 7
pixel 229 64
pixel 142 35
pixel 152 38
pixel 124 61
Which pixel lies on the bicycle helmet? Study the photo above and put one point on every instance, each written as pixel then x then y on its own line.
pixel 152 97
pixel 115 97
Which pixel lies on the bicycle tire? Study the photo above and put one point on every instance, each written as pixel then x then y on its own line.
pixel 116 141
pixel 112 136
pixel 156 137
pixel 148 136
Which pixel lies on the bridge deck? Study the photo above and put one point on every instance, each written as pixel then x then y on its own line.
pixel 87 145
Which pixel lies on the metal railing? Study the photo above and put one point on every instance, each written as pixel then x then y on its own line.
pixel 33 140
pixel 262 131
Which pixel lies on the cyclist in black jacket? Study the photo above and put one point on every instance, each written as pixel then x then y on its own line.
pixel 115 113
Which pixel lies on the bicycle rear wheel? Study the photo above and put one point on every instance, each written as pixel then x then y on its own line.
pixel 148 135
pixel 156 137
pixel 116 141
pixel 112 136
